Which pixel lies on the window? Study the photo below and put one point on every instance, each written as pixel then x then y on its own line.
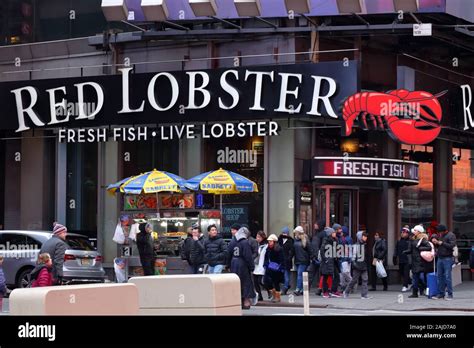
pixel 79 243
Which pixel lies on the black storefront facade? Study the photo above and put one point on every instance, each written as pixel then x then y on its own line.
pixel 377 182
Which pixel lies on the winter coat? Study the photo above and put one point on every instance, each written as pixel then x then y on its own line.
pixel 215 251
pixel 449 242
pixel 360 256
pixel 402 245
pixel 260 260
pixel 418 264
pixel 302 254
pixel 316 242
pixel 346 241
pixel 274 254
pixel 3 285
pixel 185 252
pixel 56 248
pixel 379 250
pixel 196 253
pixel 41 276
pixel 145 245
pixel 242 264
pixel 286 243
pixel 328 259
pixel 254 246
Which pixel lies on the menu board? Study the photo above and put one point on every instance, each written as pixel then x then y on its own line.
pixel 235 213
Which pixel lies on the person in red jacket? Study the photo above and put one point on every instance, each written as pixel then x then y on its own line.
pixel 41 275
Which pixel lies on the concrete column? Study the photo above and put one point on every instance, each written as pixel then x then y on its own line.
pixel 281 180
pixel 32 177
pixel 61 181
pixel 107 214
pixel 443 183
pixel 191 157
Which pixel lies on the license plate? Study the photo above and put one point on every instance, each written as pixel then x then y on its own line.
pixel 86 262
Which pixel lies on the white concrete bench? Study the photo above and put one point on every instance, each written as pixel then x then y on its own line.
pixel 214 294
pixel 90 299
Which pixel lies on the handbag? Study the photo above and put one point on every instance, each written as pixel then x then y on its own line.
pixel 381 273
pixel 119 236
pixel 274 266
pixel 428 256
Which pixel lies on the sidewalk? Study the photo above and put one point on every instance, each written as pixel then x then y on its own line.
pixel 393 299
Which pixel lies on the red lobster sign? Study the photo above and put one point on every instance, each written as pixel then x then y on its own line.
pixel 412 118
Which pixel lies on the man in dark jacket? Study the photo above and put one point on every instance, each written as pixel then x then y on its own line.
pixel 185 249
pixel 329 263
pixel 316 242
pixel 360 256
pixel 196 254
pixel 215 251
pixel 286 244
pixel 146 249
pixel 56 247
pixel 241 262
pixel 402 259
pixel 445 244
pixel 379 252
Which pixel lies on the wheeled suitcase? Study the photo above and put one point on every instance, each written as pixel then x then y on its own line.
pixel 432 280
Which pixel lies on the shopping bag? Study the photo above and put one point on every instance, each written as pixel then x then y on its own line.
pixel 381 273
pixel 345 267
pixel 119 236
pixel 119 268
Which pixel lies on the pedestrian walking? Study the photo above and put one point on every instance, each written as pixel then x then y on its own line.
pixel 360 258
pixel 445 244
pixel 345 262
pixel 418 244
pixel 402 259
pixel 185 249
pixel 242 264
pixel 328 263
pixel 253 244
pixel 274 267
pixel 215 251
pixel 56 247
pixel 146 248
pixel 379 253
pixel 3 284
pixel 196 256
pixel 286 242
pixel 316 239
pixel 41 274
pixel 259 271
pixel 303 255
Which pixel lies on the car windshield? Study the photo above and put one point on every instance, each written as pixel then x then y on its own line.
pixel 79 243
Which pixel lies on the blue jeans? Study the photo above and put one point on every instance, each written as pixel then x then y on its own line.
pixel 299 278
pixel 287 276
pixel 418 278
pixel 216 269
pixel 445 267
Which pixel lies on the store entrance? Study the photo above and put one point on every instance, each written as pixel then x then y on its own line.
pixel 343 203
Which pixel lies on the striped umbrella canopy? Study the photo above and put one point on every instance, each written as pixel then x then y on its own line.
pixel 151 182
pixel 221 182
pixel 114 188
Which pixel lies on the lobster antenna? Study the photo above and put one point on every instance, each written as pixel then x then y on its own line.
pixel 440 94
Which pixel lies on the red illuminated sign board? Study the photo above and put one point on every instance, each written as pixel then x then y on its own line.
pixel 361 168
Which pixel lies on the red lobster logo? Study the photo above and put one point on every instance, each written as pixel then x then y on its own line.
pixel 412 118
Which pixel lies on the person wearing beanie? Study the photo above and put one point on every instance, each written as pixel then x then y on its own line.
pixel 146 249
pixel 445 243
pixel 417 245
pixel 274 267
pixel 303 255
pixel 402 259
pixel 379 253
pixel 241 262
pixel 316 280
pixel 345 262
pixel 286 242
pixel 329 269
pixel 56 247
pixel 359 257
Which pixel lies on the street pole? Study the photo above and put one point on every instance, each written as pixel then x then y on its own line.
pixel 306 293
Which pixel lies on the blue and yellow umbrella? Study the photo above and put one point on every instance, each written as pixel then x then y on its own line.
pixel 221 182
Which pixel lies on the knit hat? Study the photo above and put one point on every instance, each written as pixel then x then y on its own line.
pixel 418 228
pixel 285 230
pixel 273 238
pixel 235 227
pixel 441 228
pixel 345 230
pixel 328 231
pixel 299 229
pixel 359 235
pixel 336 226
pixel 58 228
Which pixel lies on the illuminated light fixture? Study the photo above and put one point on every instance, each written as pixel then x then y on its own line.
pixel 203 8
pixel 115 10
pixel 351 6
pixel 248 8
pixel 298 6
pixel 406 5
pixel 155 10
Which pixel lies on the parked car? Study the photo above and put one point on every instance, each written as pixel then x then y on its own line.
pixel 82 262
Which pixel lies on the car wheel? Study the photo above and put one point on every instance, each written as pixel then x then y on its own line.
pixel 22 281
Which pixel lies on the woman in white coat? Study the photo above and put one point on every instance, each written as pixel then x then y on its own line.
pixel 259 270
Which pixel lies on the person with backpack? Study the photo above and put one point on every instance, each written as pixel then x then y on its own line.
pixel 418 244
pixel 345 262
pixel 360 258
pixel 41 274
pixel 303 255
pixel 185 249
pixel 241 263
pixel 274 267
pixel 196 254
